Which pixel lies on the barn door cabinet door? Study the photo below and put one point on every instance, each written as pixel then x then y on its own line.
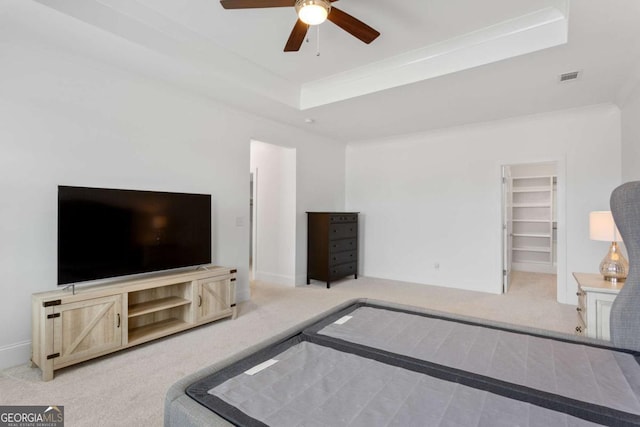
pixel 86 329
pixel 214 299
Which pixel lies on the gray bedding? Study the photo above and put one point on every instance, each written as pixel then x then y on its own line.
pixel 312 385
pixel 384 367
pixel 586 373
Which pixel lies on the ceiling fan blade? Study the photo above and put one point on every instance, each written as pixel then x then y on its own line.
pixel 296 37
pixel 256 4
pixel 353 26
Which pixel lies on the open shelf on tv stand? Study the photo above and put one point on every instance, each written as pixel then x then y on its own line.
pixel 71 327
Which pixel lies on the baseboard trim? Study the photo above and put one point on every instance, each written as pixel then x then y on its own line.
pixel 301 280
pixel 275 278
pixel 534 268
pixel 15 354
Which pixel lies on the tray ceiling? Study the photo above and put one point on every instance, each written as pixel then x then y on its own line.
pixel 436 64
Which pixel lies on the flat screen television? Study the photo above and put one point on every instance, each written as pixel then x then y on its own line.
pixel 105 233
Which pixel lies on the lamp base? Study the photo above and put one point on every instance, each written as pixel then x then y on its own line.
pixel 614 267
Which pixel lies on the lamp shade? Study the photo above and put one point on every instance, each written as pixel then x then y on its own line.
pixel 602 227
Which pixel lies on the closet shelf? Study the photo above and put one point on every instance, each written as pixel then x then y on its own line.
pixel 532 205
pixel 532 249
pixel 516 178
pixel 532 190
pixel 531 201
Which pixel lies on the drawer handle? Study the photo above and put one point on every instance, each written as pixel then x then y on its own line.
pixel 199 300
pixel 118 325
pixel 578 309
pixel 579 329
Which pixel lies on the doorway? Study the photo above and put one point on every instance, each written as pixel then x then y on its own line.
pixel 530 229
pixel 272 202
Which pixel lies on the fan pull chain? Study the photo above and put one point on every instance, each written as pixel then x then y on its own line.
pixel 318 41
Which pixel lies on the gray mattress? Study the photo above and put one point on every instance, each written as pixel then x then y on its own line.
pixel 384 364
pixel 577 371
pixel 313 385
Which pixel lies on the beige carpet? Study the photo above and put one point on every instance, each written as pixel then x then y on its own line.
pixel 128 388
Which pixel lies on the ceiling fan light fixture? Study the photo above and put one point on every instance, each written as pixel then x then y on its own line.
pixel 313 12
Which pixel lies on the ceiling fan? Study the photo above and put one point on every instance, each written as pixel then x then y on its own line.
pixel 310 12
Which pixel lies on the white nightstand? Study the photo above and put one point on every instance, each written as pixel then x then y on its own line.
pixel 595 296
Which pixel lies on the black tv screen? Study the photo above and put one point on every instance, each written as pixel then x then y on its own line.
pixel 105 233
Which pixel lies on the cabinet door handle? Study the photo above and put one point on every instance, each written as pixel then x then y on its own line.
pixel 199 300
pixel 118 324
pixel 578 309
pixel 579 329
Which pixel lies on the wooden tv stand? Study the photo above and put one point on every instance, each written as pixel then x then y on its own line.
pixel 69 328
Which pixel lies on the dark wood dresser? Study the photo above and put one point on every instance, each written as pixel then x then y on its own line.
pixel 332 246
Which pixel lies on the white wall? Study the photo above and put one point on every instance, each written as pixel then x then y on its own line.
pixel 68 119
pixel 435 197
pixel 631 137
pixel 274 171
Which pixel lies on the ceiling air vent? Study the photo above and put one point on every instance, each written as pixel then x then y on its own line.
pixel 567 77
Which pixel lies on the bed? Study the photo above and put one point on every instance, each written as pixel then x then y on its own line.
pixel 375 363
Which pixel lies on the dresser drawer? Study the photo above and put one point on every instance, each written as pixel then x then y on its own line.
pixel 342 257
pixel 341 231
pixel 343 245
pixel 343 218
pixel 342 270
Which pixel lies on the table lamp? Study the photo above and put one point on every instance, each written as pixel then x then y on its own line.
pixel 614 267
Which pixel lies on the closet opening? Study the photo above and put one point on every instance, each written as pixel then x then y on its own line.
pixel 530 229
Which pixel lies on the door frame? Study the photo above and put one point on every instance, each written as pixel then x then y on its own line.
pixel 254 225
pixel 562 293
pixel 507 227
